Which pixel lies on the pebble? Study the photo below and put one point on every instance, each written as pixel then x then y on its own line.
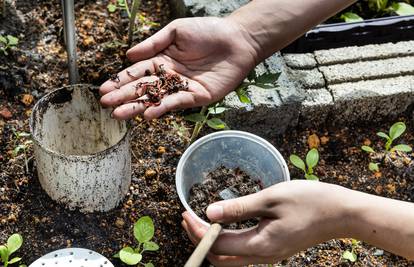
pixel 161 150
pixel 150 173
pixel 5 113
pixel 119 222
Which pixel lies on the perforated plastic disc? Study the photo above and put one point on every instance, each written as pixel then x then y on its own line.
pixel 72 257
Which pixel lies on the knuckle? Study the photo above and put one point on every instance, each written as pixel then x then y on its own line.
pixel 237 210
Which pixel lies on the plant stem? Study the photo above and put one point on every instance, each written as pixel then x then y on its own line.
pixel 127 9
pixel 135 6
pixel 199 125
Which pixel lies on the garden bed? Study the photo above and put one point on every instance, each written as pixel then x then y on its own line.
pixel 37 66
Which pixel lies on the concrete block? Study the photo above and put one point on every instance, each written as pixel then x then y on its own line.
pixel 308 79
pixel 368 70
pixel 202 8
pixel 372 100
pixel 316 107
pixel 300 61
pixel 364 53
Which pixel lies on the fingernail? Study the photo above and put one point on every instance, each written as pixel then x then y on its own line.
pixel 215 212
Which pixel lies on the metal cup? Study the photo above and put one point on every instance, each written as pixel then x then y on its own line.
pixel 252 154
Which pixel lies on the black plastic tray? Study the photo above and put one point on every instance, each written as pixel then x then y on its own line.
pixel 373 31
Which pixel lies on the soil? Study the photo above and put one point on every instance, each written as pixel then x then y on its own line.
pixel 222 184
pixel 38 66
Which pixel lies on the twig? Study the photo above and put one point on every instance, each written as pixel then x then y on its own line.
pixel 198 126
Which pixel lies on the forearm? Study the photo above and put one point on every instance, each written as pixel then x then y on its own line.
pixel 273 24
pixel 382 222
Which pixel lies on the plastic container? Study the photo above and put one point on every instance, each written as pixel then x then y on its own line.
pixel 372 31
pixel 231 149
pixel 82 154
pixel 72 257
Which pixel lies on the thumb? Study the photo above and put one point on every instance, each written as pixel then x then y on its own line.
pixel 153 45
pixel 238 209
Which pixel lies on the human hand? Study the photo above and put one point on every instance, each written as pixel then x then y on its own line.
pixel 294 215
pixel 212 54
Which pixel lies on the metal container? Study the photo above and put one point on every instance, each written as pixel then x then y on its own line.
pixel 231 149
pixel 82 154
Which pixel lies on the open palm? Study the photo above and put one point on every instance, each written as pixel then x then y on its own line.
pixel 212 54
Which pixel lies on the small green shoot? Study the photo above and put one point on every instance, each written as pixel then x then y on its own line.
pixel 7 42
pixel 373 167
pixel 14 242
pixel 22 147
pixel 312 158
pixel 208 115
pixel 402 9
pixel 396 130
pixel 351 17
pixel 143 233
pixel 350 255
pixel 265 81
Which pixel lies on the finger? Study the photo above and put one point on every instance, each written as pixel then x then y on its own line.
pixel 237 243
pixel 132 73
pixel 128 111
pixel 192 238
pixel 196 95
pixel 125 93
pixel 154 44
pixel 239 209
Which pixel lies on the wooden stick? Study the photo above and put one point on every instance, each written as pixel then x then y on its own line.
pixel 196 259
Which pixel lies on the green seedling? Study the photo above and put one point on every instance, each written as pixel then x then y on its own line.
pixel 351 17
pixel 208 115
pixel 7 42
pixel 265 81
pixel 350 255
pixel 22 147
pixel 378 5
pixel 402 9
pixel 14 242
pixel 132 14
pixel 312 158
pixel 374 167
pixel 143 233
pixel 396 130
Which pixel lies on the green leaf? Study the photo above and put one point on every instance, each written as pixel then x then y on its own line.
pixel 12 41
pixel 129 256
pixel 402 148
pixel 311 177
pixel 297 162
pixel 267 78
pixel 111 8
pixel 195 117
pixel 265 85
pixel 397 129
pixel 217 124
pixel 151 246
pixel 17 149
pixel 350 256
pixel 4 253
pixel 3 39
pixel 14 260
pixel 149 264
pixel 252 75
pixel 116 255
pixel 22 134
pixel 351 17
pixel 312 158
pixel 14 242
pixel 373 167
pixel 402 9
pixel 383 135
pixel 242 94
pixel 216 110
pixel 367 149
pixel 144 229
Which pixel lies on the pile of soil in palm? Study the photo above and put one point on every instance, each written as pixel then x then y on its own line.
pixel 222 184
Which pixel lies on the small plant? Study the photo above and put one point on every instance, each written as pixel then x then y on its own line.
pixel 265 81
pixel 351 17
pixel 7 42
pixel 208 115
pixel 396 130
pixel 22 147
pixel 373 167
pixel 351 255
pixel 132 13
pixel 312 158
pixel 143 233
pixel 14 242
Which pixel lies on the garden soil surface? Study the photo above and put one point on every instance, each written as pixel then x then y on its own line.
pixel 37 66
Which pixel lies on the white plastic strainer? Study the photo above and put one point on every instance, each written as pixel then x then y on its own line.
pixel 72 257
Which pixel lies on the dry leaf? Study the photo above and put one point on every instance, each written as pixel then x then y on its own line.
pixel 313 141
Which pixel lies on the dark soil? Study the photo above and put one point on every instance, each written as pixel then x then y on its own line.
pixel 222 184
pixel 38 66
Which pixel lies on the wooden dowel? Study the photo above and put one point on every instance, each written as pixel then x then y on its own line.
pixel 196 259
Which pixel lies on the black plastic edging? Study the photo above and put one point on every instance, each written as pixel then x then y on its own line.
pixel 373 31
